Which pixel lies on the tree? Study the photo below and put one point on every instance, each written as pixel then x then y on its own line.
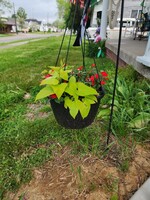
pixel 66 13
pixel 63 7
pixel 58 23
pixel 4 4
pixel 69 17
pixel 21 16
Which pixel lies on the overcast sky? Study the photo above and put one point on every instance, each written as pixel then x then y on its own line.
pixel 38 9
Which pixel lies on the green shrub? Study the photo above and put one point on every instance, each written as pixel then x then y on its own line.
pixel 93 48
pixel 131 106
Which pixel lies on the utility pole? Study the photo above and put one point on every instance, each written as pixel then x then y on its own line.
pixel 15 18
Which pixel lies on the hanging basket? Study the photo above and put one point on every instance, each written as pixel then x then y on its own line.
pixel 64 118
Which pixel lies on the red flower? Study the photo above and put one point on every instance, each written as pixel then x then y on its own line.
pixel 102 82
pixel 97 76
pixel 92 79
pixel 47 75
pixel 104 74
pixel 53 96
pixel 93 65
pixel 80 68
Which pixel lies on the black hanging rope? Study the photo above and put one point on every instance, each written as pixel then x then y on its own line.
pixel 94 60
pixel 68 48
pixel 76 6
pixel 116 72
pixel 62 40
pixel 79 32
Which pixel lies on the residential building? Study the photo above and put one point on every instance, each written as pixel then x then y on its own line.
pixel 6 25
pixel 32 25
pixel 132 10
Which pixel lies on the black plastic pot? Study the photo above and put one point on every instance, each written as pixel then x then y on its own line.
pixel 64 118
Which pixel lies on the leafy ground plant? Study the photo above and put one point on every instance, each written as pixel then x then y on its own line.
pixel 131 110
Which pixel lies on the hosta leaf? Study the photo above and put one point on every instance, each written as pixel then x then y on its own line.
pixel 121 89
pixel 45 92
pixel 130 112
pixel 140 121
pixel 59 89
pixel 84 90
pixel 103 113
pixel 116 103
pixel 50 81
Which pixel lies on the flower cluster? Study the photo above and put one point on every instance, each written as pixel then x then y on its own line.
pixel 91 76
pixel 77 88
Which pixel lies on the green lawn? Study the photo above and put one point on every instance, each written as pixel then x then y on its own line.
pixel 17 41
pixel 6 35
pixel 25 144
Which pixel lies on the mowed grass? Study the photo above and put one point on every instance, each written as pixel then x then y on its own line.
pixel 25 143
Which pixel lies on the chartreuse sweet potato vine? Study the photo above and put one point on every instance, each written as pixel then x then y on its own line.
pixel 63 85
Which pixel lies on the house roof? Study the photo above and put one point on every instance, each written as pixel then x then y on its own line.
pixel 10 21
pixel 33 20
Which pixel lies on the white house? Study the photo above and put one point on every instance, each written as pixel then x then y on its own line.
pixel 32 24
pixel 132 9
pixel 97 12
pixel 44 26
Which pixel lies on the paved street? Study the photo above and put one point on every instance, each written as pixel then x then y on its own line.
pixel 26 36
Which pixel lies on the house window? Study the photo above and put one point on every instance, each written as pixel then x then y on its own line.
pixel 99 14
pixel 134 14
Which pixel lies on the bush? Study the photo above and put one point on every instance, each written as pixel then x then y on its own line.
pixel 93 48
pixel 30 30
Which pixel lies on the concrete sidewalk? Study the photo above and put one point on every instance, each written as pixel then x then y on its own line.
pixel 143 192
pixel 130 49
